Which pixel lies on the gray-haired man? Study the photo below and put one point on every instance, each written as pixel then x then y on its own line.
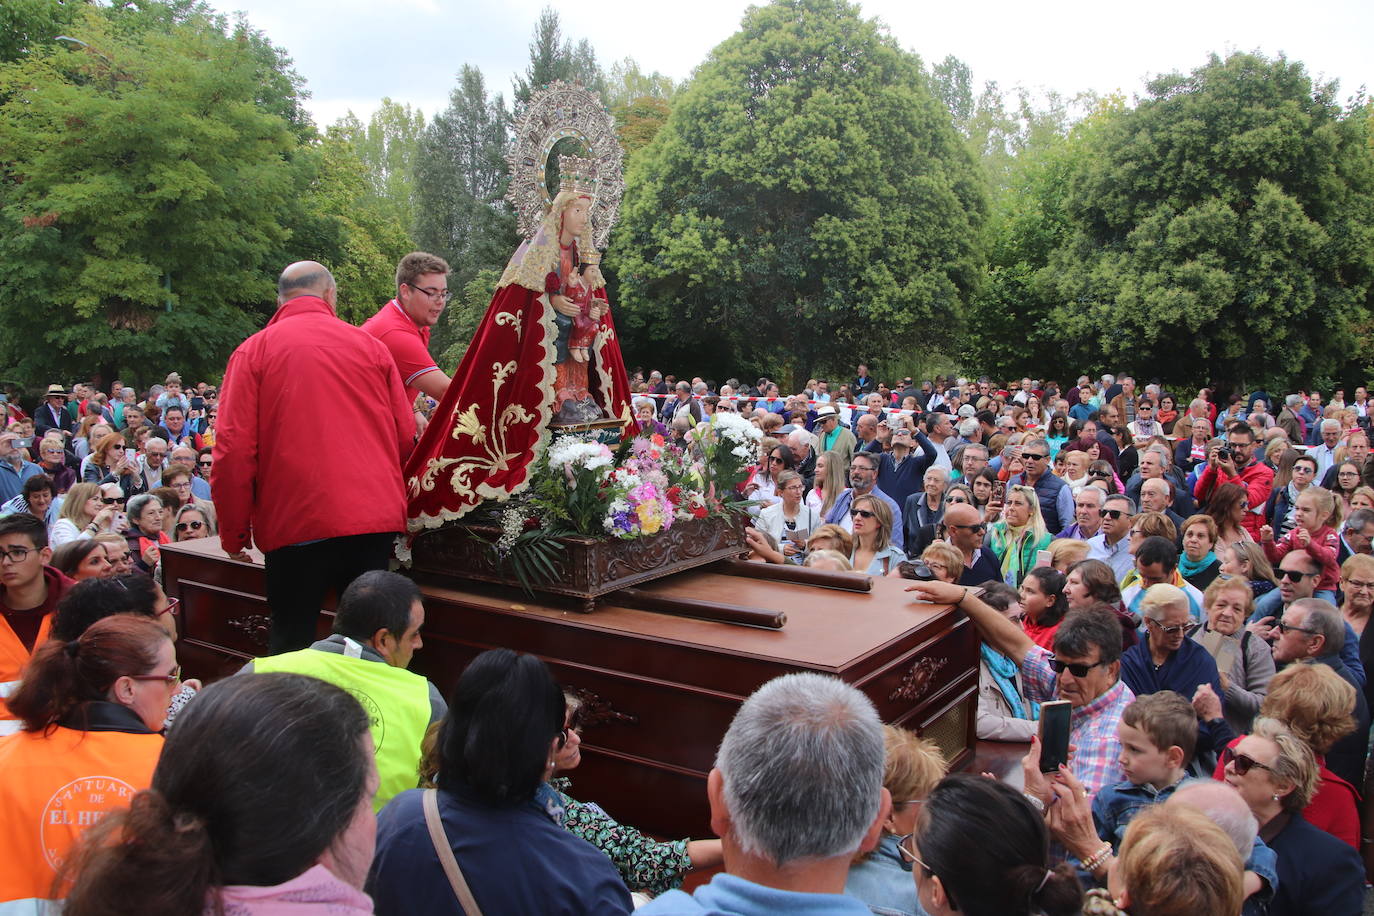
pixel 790 828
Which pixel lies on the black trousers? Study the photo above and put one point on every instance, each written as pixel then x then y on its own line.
pixel 299 577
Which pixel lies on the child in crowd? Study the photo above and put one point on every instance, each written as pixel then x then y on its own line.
pixel 1312 533
pixel 1158 732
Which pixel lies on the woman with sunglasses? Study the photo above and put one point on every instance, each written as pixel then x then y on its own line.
pixel 980 849
pixel 763 485
pixel 109 460
pixel 91 710
pixel 1228 506
pixel 1315 704
pixel 1293 477
pixel 194 522
pixel 1018 535
pixel 499 744
pixel 882 878
pixel 874 552
pixel 1277 774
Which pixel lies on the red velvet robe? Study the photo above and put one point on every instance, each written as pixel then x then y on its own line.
pixel 492 425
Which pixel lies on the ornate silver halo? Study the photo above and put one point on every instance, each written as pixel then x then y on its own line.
pixel 558 111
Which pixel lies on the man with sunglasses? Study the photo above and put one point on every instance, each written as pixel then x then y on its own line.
pixel 1055 496
pixel 1297 574
pixel 964 527
pixel 1312 631
pixel 1084 669
pixel 403 326
pixel 1113 544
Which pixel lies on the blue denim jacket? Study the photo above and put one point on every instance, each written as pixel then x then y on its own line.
pixel 884 882
pixel 1116 805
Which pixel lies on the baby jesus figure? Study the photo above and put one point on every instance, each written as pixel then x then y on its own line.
pixel 583 330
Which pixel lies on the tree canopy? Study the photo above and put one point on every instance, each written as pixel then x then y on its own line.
pixel 1222 228
pixel 807 201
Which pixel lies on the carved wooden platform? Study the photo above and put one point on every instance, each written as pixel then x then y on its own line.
pixel 587 568
pixel 660 689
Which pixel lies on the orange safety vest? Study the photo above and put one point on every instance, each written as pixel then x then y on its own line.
pixel 14 658
pixel 52 788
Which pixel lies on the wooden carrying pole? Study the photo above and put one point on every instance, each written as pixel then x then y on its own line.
pixel 846 581
pixel 694 607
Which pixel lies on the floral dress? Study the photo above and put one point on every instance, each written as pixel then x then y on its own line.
pixel 644 864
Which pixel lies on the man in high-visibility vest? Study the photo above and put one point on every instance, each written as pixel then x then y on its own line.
pixel 376 633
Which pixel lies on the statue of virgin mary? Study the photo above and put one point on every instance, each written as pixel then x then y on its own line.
pixel 545 353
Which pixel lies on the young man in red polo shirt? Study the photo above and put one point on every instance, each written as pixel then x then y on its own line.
pixel 403 325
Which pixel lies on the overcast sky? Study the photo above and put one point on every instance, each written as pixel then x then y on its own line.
pixel 354 52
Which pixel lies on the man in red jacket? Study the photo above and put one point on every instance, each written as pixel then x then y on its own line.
pixel 313 481
pixel 1238 466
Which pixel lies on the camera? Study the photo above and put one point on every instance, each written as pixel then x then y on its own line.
pixel 1224 453
pixel 915 569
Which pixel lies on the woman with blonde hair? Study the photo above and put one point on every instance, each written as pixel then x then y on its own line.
pixel 913 767
pixel 1362 498
pixel 1065 553
pixel 83 515
pixel 944 559
pixel 1174 861
pixel 831 537
pixel 1276 774
pixel 831 471
pixel 1246 559
pixel 874 551
pixel 1357 590
pixel 1018 535
pixel 1315 704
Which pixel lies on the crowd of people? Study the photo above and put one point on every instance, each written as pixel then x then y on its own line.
pixel 1193 576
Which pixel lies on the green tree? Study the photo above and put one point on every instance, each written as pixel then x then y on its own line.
pixel 639 121
pixel 350 230
pixel 464 313
pixel 807 204
pixel 144 194
pixel 553 57
pixel 1223 229
pixel 388 146
pixel 952 82
pixel 627 82
pixel 26 24
pixel 460 183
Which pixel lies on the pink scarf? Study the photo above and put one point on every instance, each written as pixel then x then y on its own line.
pixel 315 892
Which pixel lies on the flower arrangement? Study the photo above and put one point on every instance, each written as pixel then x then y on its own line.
pixel 648 483
pixel 582 487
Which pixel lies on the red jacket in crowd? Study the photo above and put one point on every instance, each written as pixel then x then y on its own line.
pixel 313 427
pixel 1256 478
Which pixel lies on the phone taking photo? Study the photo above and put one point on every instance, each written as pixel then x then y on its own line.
pixel 1054 734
